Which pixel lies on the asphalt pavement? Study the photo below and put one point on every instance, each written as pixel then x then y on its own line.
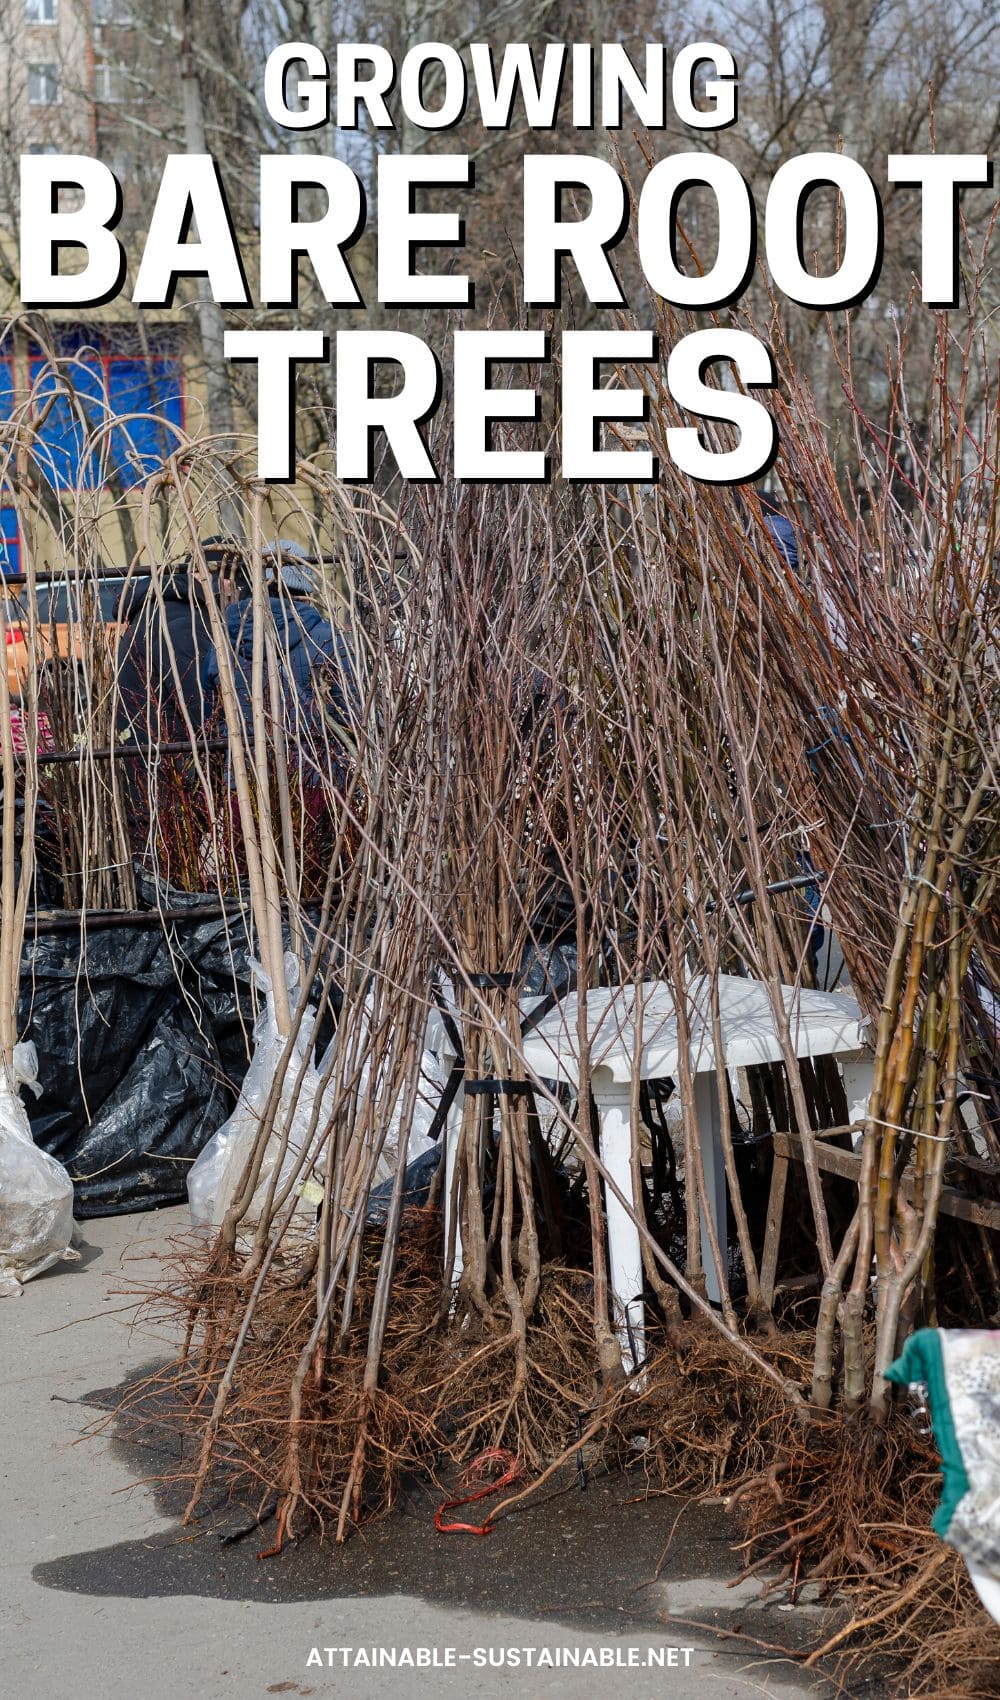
pixel 105 1596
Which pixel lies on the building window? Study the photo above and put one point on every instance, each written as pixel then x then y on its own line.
pixel 10 542
pixel 118 13
pixel 43 85
pixel 109 80
pixel 121 163
pixel 41 11
pixel 98 377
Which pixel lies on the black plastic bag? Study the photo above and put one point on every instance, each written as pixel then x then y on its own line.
pixel 142 1044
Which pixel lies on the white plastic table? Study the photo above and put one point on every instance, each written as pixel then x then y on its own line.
pixel 821 1024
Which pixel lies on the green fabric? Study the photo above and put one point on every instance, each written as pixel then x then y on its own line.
pixel 922 1360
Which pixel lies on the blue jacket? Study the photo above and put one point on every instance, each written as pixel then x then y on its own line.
pixel 783 532
pixel 305 644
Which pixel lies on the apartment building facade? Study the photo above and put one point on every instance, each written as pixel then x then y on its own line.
pixel 75 76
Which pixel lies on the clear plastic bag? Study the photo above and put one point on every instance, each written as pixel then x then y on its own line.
pixel 36 1193
pixel 216 1173
pixel 430 1088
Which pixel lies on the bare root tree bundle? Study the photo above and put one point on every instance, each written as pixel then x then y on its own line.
pixel 572 740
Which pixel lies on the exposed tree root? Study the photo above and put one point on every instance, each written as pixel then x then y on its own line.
pixel 831 1500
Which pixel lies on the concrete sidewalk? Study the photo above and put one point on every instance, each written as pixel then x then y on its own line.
pixel 75 1519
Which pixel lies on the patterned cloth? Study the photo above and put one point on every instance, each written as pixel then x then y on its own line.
pixel 19 735
pixel 960 1368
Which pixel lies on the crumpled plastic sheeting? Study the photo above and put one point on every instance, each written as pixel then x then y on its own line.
pixel 141 1047
pixel 972 1372
pixel 420 1172
pixel 958 1370
pixel 430 1086
pixel 215 1176
pixel 36 1193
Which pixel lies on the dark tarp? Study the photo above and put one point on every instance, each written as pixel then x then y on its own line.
pixel 141 1049
pixel 142 1037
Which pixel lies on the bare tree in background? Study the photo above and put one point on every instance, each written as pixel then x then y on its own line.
pixel 872 76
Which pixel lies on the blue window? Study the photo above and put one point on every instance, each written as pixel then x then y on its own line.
pixel 60 448
pixel 109 376
pixel 154 389
pixel 10 547
pixel 6 381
